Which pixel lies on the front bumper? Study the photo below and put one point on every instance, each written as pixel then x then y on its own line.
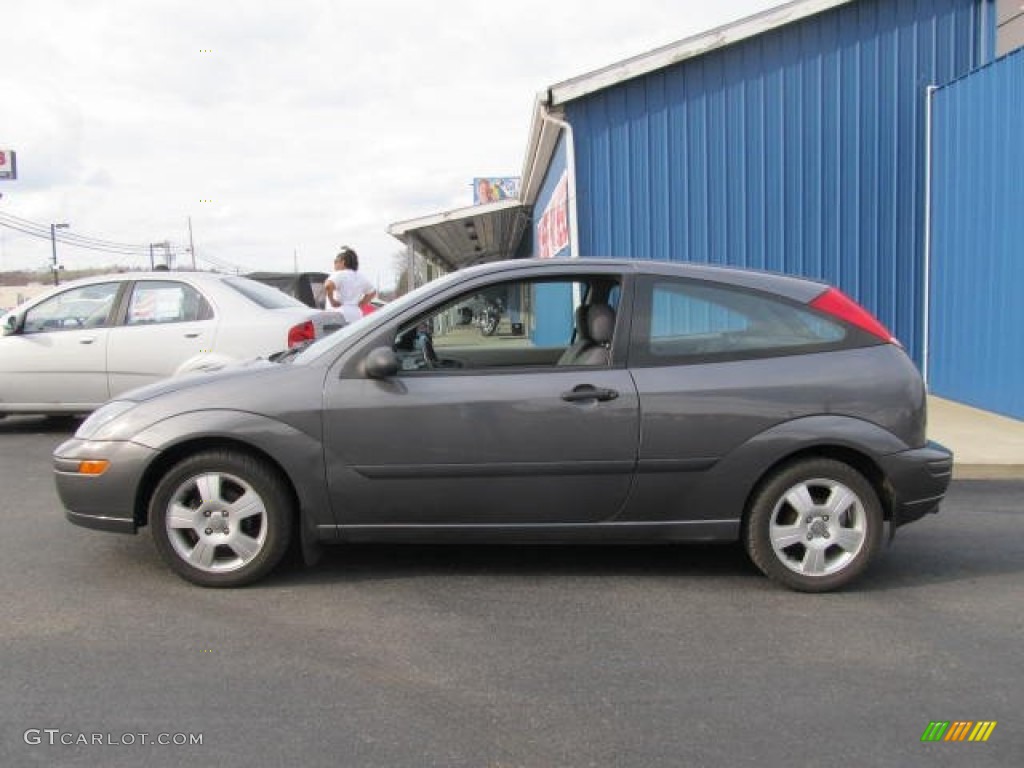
pixel 917 480
pixel 105 502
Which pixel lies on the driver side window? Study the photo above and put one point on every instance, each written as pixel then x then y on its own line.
pixel 513 324
pixel 87 306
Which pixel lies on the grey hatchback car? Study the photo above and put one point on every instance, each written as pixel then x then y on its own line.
pixel 618 401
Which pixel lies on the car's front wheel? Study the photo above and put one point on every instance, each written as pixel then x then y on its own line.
pixel 221 518
pixel 814 525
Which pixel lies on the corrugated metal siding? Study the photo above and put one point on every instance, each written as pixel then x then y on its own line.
pixel 553 303
pixel 976 355
pixel 800 151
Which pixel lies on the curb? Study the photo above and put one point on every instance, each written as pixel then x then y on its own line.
pixel 988 471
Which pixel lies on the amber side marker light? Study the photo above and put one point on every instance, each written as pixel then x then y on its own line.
pixel 97 467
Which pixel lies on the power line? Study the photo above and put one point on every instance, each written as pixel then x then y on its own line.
pixel 218 262
pixel 69 235
pixel 91 247
pixel 43 231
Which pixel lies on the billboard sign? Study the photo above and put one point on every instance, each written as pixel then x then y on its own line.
pixel 8 164
pixel 491 189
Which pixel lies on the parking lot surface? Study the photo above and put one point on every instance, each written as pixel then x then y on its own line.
pixel 499 657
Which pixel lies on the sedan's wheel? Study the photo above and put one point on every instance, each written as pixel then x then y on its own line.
pixel 814 526
pixel 221 519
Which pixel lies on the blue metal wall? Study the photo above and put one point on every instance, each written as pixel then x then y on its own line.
pixel 554 314
pixel 976 329
pixel 800 150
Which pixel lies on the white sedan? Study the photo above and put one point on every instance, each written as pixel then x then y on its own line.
pixel 87 341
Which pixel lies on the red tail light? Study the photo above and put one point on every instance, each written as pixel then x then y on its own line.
pixel 837 304
pixel 300 333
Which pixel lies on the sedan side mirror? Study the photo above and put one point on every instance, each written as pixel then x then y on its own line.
pixel 381 363
pixel 11 325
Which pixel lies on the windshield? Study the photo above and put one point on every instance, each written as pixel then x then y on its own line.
pixel 328 343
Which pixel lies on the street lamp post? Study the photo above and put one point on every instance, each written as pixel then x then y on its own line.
pixel 53 244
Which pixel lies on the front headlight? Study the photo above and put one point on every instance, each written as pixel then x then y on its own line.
pixel 103 416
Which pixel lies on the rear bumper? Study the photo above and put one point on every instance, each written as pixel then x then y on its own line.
pixel 918 480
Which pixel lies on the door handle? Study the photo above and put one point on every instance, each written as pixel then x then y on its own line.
pixel 192 335
pixel 587 392
pixel 87 340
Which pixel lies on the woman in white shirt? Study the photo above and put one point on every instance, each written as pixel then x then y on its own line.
pixel 345 288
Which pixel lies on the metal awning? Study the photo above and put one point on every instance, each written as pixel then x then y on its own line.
pixel 464 236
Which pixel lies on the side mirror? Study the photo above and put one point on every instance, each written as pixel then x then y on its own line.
pixel 11 325
pixel 381 363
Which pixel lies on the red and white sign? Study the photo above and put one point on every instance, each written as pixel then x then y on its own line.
pixel 8 164
pixel 553 227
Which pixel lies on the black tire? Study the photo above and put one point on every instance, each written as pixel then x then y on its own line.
pixel 814 525
pixel 233 522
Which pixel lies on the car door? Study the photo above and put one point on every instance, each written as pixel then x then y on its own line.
pixel 166 323
pixel 494 432
pixel 57 356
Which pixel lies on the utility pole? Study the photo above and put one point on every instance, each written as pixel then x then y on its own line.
pixel 191 245
pixel 53 244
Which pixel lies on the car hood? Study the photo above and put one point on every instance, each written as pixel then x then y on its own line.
pixel 210 377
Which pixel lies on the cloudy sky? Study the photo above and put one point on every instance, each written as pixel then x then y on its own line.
pixel 285 129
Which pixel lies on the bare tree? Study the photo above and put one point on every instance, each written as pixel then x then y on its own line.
pixel 400 268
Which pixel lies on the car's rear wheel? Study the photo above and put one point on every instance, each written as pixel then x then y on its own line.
pixel 221 518
pixel 814 525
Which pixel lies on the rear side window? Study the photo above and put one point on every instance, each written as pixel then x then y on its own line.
pixel 688 321
pixel 166 301
pixel 266 296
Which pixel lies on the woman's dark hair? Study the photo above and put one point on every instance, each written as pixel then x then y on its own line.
pixel 349 258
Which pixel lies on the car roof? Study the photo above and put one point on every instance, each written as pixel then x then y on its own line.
pixel 286 275
pixel 149 275
pixel 792 286
pixel 197 278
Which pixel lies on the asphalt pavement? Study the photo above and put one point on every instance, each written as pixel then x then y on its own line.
pixel 500 657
